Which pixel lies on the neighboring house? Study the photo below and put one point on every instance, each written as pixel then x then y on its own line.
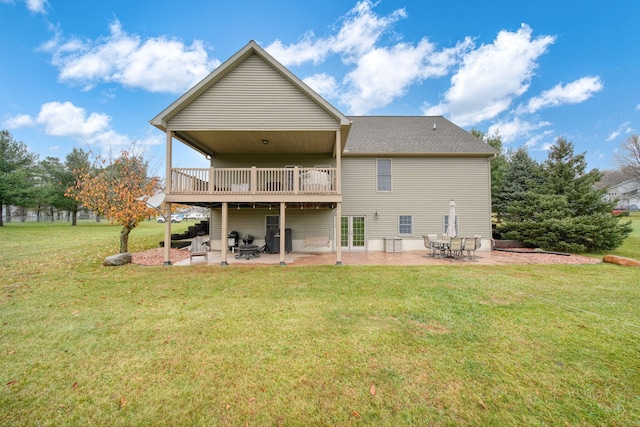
pixel 282 157
pixel 627 193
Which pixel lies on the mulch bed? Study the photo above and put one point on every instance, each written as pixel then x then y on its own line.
pixel 156 256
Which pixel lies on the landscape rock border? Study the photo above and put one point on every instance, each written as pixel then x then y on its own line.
pixel 117 259
pixel 620 260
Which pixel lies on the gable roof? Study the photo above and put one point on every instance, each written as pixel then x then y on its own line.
pixel 412 135
pixel 252 48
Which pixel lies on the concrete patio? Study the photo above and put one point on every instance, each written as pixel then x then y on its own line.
pixel 383 258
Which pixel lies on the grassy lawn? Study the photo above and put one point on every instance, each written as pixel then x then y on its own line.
pixel 82 344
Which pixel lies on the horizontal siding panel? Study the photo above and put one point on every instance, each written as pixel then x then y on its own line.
pixel 254 96
pixel 423 188
pixel 303 223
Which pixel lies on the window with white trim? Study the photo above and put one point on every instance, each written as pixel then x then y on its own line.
pixel 446 224
pixel 383 174
pixel 405 225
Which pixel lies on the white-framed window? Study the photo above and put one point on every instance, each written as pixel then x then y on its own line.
pixel 405 225
pixel 383 174
pixel 446 224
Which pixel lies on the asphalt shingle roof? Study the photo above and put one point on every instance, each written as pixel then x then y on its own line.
pixel 412 135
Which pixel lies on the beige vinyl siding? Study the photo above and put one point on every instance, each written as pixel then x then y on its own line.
pixel 423 188
pixel 254 96
pixel 303 223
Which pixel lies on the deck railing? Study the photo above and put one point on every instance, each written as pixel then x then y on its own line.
pixel 293 180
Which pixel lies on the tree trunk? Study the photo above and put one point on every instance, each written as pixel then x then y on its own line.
pixel 8 213
pixel 74 217
pixel 124 239
pixel 1 220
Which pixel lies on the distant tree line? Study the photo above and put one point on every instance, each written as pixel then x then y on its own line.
pixel 556 204
pixel 112 187
pixel 28 183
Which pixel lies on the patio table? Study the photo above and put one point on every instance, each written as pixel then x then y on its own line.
pixel 443 246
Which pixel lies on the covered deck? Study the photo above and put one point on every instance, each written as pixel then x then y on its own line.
pixel 251 118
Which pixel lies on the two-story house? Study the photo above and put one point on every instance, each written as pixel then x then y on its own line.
pixel 627 193
pixel 283 158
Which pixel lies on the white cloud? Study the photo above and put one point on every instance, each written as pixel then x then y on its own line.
pixel 19 121
pixel 37 6
pixel 358 34
pixel 625 128
pixel 638 107
pixel 323 84
pixel 377 75
pixel 492 76
pixel 34 6
pixel 131 61
pixel 515 129
pixel 306 50
pixel 572 93
pixel 384 74
pixel 65 120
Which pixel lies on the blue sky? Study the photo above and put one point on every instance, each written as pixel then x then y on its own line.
pixel 91 74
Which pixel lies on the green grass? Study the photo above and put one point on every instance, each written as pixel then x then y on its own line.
pixel 82 344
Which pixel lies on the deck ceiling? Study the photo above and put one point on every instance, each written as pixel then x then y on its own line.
pixel 251 142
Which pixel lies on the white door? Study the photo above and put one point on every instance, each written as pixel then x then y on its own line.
pixel 353 236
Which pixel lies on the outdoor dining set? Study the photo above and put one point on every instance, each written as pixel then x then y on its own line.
pixel 451 247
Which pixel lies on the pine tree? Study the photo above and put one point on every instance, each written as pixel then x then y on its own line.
pixel 566 211
pixel 16 171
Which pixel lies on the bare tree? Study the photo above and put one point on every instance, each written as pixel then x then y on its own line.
pixel 629 158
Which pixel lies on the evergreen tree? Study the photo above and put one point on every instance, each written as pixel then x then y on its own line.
pixel 63 176
pixel 566 175
pixel 16 172
pixel 521 174
pixel 566 211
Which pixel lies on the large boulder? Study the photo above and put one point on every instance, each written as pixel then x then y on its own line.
pixel 628 262
pixel 117 259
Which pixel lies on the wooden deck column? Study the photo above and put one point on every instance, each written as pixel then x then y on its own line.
pixel 224 233
pixel 167 224
pixel 167 235
pixel 283 233
pixel 338 236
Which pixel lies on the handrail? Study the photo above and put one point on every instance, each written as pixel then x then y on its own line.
pixel 254 180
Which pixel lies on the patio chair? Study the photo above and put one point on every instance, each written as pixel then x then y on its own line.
pixel 456 247
pixel 478 244
pixel 199 248
pixel 433 238
pixel 470 246
pixel 430 244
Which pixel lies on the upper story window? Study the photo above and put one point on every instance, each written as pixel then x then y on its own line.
pixel 384 174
